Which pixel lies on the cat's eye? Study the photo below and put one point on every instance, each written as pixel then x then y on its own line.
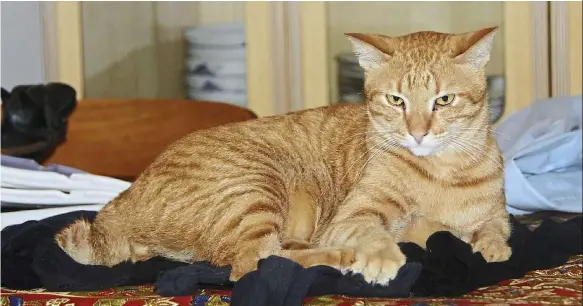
pixel 445 100
pixel 397 101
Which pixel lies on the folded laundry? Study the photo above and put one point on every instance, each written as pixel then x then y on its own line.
pixel 542 149
pixel 31 259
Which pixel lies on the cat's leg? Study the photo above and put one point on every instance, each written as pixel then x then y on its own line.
pixel 491 239
pixel 258 234
pixel 377 256
pixel 301 221
pixel 362 223
pixel 262 240
pixel 339 258
pixel 296 244
pixel 251 247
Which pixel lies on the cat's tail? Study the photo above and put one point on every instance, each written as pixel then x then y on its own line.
pixel 88 244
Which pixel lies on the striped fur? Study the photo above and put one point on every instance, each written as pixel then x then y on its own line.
pixel 337 186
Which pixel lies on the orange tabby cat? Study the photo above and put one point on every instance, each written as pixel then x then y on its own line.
pixel 337 186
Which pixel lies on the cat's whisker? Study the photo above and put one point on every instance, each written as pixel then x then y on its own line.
pixel 377 148
pixel 375 153
pixel 478 147
pixel 375 133
pixel 356 160
pixel 466 150
pixel 462 140
pixel 488 129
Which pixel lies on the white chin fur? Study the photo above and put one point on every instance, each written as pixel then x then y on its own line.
pixel 421 151
pixel 427 147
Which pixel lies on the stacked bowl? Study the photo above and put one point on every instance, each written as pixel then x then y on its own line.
pixel 216 61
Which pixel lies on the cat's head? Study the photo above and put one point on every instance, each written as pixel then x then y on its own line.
pixel 426 90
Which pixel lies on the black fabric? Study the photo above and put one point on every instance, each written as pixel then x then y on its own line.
pixel 35 119
pixel 31 259
pixel 279 281
pixel 450 268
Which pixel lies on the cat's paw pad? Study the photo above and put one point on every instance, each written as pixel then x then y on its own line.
pixel 492 249
pixel 380 266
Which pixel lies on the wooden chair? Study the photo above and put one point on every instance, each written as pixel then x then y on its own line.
pixel 120 138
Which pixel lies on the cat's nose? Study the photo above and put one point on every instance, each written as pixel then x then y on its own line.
pixel 419 135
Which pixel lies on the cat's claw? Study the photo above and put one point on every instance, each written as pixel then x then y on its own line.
pixel 378 266
pixel 493 249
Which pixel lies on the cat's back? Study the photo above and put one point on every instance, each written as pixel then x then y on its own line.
pixel 311 128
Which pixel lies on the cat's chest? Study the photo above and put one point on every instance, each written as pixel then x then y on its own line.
pixel 458 208
pixel 443 193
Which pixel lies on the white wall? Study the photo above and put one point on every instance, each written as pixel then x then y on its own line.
pixel 22 54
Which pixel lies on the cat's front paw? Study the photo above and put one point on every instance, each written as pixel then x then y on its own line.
pixel 378 266
pixel 493 249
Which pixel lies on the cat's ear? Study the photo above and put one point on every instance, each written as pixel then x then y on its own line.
pixel 366 49
pixel 474 48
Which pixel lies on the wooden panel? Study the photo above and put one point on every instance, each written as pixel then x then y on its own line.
pixel 120 138
pixel 258 25
pixel 540 50
pixel 283 66
pixel 519 57
pixel 67 21
pixel 565 20
pixel 559 45
pixel 575 44
pixel 314 52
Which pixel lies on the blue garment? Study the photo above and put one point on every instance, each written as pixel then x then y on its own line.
pixel 542 151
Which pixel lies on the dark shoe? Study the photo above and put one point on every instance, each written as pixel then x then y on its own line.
pixel 34 119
